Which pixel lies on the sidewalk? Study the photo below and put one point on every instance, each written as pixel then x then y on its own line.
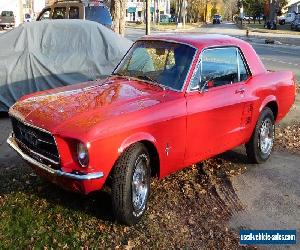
pixel 281 36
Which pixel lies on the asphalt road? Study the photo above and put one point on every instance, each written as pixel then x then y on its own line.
pixel 274 56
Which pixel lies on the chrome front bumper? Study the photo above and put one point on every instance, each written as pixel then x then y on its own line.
pixel 79 177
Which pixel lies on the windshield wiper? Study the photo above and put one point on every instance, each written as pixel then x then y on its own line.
pixel 118 74
pixel 121 75
pixel 148 78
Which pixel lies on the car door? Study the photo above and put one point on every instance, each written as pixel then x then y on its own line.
pixel 215 111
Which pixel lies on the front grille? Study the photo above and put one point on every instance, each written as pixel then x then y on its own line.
pixel 37 143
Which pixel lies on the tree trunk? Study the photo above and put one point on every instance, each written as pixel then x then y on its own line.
pixel 148 16
pixel 180 11
pixel 274 5
pixel 115 14
pixel 122 17
pixel 118 13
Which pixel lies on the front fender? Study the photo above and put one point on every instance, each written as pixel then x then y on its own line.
pixel 140 136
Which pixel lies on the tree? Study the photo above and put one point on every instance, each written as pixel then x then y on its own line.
pixel 118 13
pixel 274 8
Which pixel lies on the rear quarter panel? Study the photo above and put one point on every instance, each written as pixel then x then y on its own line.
pixel 269 87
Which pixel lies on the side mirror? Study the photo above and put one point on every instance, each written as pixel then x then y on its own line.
pixel 210 84
pixel 206 85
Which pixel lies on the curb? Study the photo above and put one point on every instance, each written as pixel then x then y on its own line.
pixel 155 29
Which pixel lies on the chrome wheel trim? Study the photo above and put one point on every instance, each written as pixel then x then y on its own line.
pixel 266 136
pixel 140 185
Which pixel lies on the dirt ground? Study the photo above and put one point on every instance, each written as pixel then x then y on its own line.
pixel 202 207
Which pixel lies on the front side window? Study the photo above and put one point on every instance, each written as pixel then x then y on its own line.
pixel 59 13
pixel 166 63
pixel 219 66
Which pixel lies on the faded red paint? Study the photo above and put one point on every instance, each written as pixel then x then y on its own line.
pixel 115 113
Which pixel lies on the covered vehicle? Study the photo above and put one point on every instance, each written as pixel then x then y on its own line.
pixel 173 100
pixel 42 55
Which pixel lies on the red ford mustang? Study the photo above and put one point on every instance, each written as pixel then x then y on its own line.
pixel 173 100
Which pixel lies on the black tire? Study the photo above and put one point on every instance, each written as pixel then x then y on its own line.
pixel 134 158
pixel 254 147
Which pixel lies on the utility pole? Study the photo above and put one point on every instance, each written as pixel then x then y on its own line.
pixel 184 5
pixel 148 17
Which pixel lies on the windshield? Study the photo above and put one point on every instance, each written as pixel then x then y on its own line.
pixel 165 63
pixel 7 13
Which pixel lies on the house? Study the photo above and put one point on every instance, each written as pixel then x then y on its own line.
pixel 293 6
pixel 136 9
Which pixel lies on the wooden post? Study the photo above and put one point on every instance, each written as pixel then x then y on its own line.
pixel 148 17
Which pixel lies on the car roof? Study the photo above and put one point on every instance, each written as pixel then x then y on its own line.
pixel 197 40
pixel 202 41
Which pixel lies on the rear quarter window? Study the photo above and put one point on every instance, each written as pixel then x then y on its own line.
pixel 99 14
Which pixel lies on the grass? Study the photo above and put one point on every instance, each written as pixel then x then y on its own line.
pixel 185 210
pixel 281 29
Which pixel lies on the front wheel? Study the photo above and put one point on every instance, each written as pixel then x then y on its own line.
pixel 260 146
pixel 131 184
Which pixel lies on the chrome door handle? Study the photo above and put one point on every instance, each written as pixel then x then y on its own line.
pixel 240 91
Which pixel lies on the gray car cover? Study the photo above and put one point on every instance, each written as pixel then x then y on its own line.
pixel 48 54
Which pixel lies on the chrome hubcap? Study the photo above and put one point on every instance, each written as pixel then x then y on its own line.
pixel 266 136
pixel 140 184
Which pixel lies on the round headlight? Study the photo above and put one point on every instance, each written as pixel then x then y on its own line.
pixel 82 154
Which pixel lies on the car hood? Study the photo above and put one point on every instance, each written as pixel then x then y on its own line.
pixel 85 105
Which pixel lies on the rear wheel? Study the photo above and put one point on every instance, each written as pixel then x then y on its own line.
pixel 131 184
pixel 260 146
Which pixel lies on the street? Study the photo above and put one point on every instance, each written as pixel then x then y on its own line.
pixel 274 56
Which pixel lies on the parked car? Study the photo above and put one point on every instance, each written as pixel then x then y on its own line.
pixel 7 19
pixel 295 25
pixel 217 19
pixel 95 11
pixel 165 18
pixel 247 18
pixel 288 18
pixel 173 100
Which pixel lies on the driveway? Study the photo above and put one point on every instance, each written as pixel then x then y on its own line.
pixel 270 194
